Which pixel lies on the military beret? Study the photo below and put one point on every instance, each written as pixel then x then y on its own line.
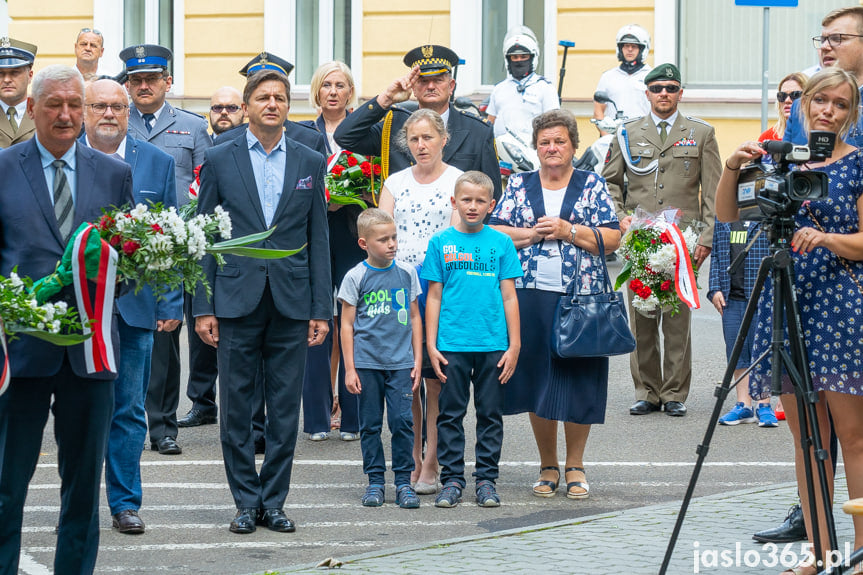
pixel 145 58
pixel 663 72
pixel 266 61
pixel 431 59
pixel 15 54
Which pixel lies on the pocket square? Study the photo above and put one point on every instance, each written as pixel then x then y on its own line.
pixel 305 183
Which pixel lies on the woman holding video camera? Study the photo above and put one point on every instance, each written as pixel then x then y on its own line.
pixel 827 248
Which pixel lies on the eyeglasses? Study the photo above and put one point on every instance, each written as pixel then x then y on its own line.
pixel 782 96
pixel 91 30
pixel 835 40
pixel 137 80
pixel 658 88
pixel 102 108
pixel 232 109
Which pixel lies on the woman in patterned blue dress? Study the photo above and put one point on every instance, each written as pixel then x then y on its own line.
pixel 827 249
pixel 549 215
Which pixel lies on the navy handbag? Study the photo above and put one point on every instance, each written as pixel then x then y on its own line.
pixel 591 325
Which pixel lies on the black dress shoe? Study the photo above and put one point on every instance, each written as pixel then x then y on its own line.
pixel 244 521
pixel 792 529
pixel 166 446
pixel 675 408
pixel 276 520
pixel 643 407
pixel 128 522
pixel 196 417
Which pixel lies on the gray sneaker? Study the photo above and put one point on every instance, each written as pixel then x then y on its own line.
pixel 486 496
pixel 449 496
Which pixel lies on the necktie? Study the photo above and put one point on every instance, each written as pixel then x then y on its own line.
pixel 62 199
pixel 149 120
pixel 10 113
pixel 663 132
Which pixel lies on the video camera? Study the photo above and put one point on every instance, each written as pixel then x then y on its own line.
pixel 768 190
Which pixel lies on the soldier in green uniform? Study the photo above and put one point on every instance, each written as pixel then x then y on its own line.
pixel 670 161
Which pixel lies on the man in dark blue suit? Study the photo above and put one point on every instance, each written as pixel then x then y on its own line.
pixel 106 118
pixel 269 310
pixel 38 175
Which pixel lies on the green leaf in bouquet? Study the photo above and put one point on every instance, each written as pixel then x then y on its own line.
pixel 355 173
pixel 623 275
pixel 64 339
pixel 244 240
pixel 346 200
pixel 259 253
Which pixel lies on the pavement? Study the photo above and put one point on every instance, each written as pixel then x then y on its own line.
pixel 715 538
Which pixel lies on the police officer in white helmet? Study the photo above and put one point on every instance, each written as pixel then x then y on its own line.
pixel 523 87
pixel 625 83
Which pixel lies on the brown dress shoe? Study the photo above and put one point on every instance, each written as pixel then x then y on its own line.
pixel 128 522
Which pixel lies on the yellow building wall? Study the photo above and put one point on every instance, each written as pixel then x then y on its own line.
pixel 52 26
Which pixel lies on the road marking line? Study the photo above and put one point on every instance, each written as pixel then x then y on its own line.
pixel 316 524
pixel 359 462
pixel 29 566
pixel 223 545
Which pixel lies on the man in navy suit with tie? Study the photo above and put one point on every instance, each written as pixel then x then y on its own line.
pixel 265 309
pixel 106 119
pixel 50 185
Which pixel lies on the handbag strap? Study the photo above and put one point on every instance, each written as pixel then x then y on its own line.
pixel 606 281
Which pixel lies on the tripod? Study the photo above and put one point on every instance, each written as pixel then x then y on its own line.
pixel 779 266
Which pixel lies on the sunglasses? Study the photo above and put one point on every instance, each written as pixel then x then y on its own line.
pixel 91 30
pixel 782 96
pixel 658 88
pixel 229 109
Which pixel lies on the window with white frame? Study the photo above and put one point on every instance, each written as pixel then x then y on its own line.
pixel 726 54
pixel 483 53
pixel 149 22
pixel 325 30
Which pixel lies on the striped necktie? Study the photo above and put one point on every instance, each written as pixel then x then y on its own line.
pixel 63 206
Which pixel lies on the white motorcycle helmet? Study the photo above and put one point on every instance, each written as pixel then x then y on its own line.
pixel 520 40
pixel 633 34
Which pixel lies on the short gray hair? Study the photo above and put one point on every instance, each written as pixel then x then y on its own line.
pixel 433 118
pixel 55 73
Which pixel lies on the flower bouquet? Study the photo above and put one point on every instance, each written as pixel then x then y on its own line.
pixel 351 176
pixel 658 262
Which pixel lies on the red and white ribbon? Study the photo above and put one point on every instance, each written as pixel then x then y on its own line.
pixel 684 273
pixel 98 350
pixel 6 377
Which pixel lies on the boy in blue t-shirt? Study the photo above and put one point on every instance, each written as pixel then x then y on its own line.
pixel 381 337
pixel 472 334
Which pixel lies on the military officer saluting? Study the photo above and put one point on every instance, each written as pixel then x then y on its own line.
pixel 671 161
pixel 16 71
pixel 372 127
pixel 181 134
pixel 184 136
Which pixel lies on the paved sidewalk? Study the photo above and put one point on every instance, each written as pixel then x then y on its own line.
pixel 716 538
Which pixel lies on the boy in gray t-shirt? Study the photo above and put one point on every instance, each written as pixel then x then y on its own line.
pixel 381 337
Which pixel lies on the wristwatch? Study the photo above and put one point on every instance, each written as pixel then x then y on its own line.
pixel 572 232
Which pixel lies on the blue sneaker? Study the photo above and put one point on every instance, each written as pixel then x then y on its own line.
pixel 449 496
pixel 486 496
pixel 739 414
pixel 374 496
pixel 766 417
pixel 406 497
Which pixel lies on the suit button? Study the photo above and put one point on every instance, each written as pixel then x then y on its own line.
pixel 661 170
pixel 659 201
pixel 662 155
pixel 661 186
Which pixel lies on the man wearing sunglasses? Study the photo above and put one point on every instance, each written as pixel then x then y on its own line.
pixel 671 161
pixel 226 110
pixel 840 44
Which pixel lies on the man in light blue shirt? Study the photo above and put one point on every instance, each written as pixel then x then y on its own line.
pixel 269 170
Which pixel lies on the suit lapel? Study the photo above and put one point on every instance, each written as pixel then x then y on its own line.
pixel 85 172
pixel 247 176
pixel 131 155
pixel 6 127
pixel 650 132
pixel 457 135
pixel 165 120
pixel 291 177
pixel 677 131
pixel 26 127
pixel 31 165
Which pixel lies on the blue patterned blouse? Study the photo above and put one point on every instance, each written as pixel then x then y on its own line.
pixel 593 207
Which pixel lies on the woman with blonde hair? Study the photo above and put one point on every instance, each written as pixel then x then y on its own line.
pixel 790 88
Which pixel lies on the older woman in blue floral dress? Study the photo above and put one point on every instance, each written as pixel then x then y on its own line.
pixel 827 249
pixel 550 214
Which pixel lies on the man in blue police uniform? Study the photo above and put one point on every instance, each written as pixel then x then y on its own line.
pixel 184 136
pixel 106 119
pixel 372 127
pixel 16 70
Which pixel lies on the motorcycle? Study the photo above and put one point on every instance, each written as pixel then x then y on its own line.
pixel 514 147
pixel 593 158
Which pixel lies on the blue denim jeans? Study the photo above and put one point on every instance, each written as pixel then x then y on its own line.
pixel 394 387
pixel 129 423
pixel 479 367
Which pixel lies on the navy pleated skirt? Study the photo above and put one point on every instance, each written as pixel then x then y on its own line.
pixel 574 390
